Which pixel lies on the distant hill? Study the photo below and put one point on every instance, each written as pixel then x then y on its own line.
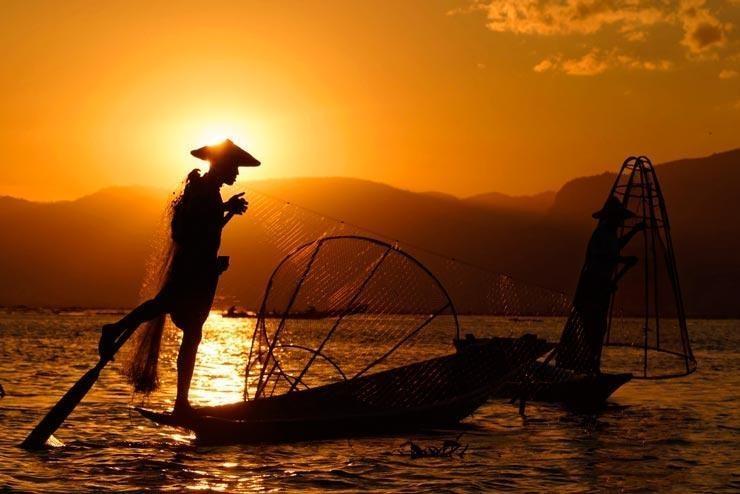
pixel 703 199
pixel 93 251
pixel 692 187
pixel 537 203
pixel 444 224
pixel 87 252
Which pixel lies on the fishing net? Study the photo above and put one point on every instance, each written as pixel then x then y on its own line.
pixel 645 324
pixel 277 227
pixel 141 365
pixel 342 307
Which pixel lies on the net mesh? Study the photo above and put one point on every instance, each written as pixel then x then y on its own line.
pixel 278 227
pixel 142 362
pixel 323 282
pixel 342 307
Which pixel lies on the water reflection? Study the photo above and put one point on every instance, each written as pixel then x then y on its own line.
pixel 219 368
pixel 679 435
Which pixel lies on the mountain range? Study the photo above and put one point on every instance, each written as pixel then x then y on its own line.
pixel 94 251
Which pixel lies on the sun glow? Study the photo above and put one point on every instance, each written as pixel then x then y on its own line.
pixel 200 130
pixel 219 377
pixel 215 134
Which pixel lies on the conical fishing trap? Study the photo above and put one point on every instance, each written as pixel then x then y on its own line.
pixel 647 319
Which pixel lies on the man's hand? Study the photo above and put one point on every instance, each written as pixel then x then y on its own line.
pixel 625 239
pixel 629 260
pixel 222 264
pixel 236 204
pixel 628 263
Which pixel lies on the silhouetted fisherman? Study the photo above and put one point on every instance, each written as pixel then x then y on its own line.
pixel 189 284
pixel 581 342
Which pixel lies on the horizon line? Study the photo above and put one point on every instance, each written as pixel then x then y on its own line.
pixel 359 179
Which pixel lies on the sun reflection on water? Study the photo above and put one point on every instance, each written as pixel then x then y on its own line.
pixel 657 435
pixel 219 368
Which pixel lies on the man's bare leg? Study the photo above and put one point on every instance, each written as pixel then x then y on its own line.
pixel 185 366
pixel 143 313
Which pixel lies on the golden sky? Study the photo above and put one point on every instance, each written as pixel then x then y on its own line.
pixel 457 96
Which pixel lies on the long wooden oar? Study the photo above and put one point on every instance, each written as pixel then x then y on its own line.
pixel 39 436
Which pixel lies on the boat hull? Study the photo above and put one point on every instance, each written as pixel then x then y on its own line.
pixel 581 392
pixel 430 394
pixel 214 430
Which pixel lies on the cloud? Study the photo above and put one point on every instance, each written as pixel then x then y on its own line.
pixel 728 74
pixel 700 28
pixel 589 64
pixel 634 63
pixel 632 35
pixel 561 17
pixel 545 65
pixel 598 61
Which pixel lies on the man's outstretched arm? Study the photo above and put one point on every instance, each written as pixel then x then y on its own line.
pixel 235 205
pixel 625 239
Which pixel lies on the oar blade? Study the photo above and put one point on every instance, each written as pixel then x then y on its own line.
pixel 41 434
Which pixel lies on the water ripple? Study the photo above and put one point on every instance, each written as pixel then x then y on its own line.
pixel 677 436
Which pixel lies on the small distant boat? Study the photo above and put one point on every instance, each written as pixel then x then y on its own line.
pixel 234 313
pixel 312 313
pixel 70 311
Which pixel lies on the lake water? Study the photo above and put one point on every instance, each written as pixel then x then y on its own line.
pixel 670 436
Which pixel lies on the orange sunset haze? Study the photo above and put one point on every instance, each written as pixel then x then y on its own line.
pixel 462 97
pixel 369 246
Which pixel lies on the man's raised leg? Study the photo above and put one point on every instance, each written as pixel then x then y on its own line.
pixel 143 313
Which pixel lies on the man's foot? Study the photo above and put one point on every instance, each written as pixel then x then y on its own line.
pixel 108 336
pixel 184 410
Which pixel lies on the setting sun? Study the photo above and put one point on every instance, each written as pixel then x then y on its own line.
pixel 192 132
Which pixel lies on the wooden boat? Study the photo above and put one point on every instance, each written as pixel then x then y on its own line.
pixel 578 391
pixel 311 313
pixel 433 393
pixel 572 373
pixel 582 392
